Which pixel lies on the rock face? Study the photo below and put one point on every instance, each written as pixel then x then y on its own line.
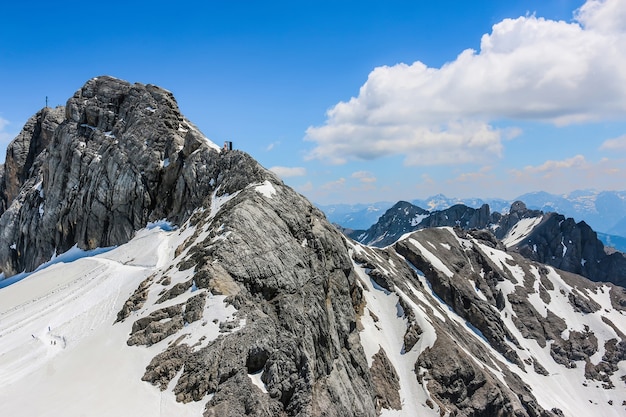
pixel 23 150
pixel 121 156
pixel 403 217
pixel 515 307
pixel 293 282
pixel 570 246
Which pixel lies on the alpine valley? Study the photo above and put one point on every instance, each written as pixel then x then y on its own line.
pixel 149 272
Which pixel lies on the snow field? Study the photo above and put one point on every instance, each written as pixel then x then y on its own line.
pixel 436 262
pixel 61 354
pixel 266 188
pixel 562 388
pixel 520 231
pixel 388 333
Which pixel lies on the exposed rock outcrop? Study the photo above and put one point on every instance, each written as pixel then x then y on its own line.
pixel 296 289
pixel 463 388
pixel 405 217
pixel 386 382
pixel 573 247
pixel 22 152
pixel 121 156
pixel 506 301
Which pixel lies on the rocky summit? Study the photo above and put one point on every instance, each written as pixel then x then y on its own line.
pixel 220 291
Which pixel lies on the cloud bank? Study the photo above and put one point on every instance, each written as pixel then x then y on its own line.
pixel 616 144
pixel 577 172
pixel 287 172
pixel 527 69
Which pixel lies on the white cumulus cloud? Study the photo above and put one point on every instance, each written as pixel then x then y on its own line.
pixel 550 166
pixel 364 176
pixel 287 172
pixel 527 68
pixel 573 173
pixel 334 185
pixel 616 144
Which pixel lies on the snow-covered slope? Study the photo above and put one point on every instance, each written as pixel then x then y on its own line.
pixel 512 321
pixel 521 230
pixel 61 354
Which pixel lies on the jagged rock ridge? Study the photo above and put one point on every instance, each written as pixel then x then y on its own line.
pixel 549 238
pixel 536 327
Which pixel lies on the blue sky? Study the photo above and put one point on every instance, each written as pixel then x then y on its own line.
pixel 356 101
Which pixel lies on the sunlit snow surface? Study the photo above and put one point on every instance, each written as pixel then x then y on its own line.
pixel 520 231
pixel 61 354
pixel 266 188
pixel 388 332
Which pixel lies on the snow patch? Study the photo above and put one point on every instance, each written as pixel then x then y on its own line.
pixel 434 260
pixel 256 380
pixel 266 188
pixel 89 127
pixel 39 187
pixel 418 219
pixel 387 332
pixel 520 231
pixel 218 201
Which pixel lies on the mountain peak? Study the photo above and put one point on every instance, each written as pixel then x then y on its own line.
pixel 116 157
pixel 124 156
pixel 518 207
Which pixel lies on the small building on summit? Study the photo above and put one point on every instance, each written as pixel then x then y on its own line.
pixel 228 146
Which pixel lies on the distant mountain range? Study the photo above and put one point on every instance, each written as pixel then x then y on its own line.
pixel 604 211
pixel 549 238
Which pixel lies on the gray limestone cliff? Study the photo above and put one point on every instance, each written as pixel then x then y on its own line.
pixel 118 156
pixel 566 244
